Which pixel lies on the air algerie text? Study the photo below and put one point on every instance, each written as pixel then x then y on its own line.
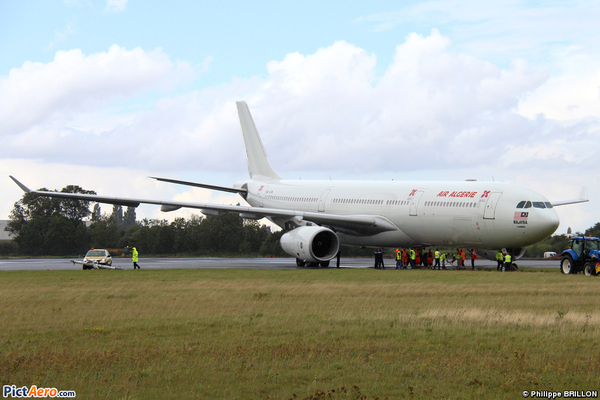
pixel 456 194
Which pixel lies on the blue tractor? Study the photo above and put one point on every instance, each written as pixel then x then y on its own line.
pixel 583 256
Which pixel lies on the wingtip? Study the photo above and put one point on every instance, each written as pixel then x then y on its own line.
pixel 23 187
pixel 583 195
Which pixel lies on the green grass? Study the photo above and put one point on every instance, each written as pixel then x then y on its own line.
pixel 335 333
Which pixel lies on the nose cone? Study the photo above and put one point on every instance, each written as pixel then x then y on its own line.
pixel 548 223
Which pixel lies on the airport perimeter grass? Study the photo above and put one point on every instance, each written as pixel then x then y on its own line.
pixel 282 334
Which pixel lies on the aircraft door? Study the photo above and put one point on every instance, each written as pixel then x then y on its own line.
pixel 490 205
pixel 261 194
pixel 322 200
pixel 414 204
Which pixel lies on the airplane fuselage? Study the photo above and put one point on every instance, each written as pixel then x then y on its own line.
pixel 486 215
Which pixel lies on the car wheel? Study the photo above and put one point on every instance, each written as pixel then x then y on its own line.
pixel 566 265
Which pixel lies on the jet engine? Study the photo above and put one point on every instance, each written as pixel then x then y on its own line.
pixel 516 253
pixel 311 243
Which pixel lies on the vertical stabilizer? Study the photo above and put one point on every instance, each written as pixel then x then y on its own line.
pixel 258 163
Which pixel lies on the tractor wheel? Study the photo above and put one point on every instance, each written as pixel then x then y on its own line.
pixel 589 268
pixel 566 265
pixel 300 262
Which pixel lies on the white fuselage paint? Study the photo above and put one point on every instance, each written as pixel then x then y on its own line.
pixel 438 213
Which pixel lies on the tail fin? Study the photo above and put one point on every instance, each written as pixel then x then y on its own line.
pixel 258 163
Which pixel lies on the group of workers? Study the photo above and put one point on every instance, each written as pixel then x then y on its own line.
pixel 504 259
pixel 437 259
pixel 426 258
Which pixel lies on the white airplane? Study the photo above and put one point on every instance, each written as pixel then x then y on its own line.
pixel 319 216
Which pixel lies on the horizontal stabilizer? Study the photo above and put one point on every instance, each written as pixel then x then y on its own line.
pixel 583 197
pixel 242 192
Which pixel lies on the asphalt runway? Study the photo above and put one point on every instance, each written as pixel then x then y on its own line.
pixel 56 264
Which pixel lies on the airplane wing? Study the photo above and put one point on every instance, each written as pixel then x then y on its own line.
pixel 583 197
pixel 352 224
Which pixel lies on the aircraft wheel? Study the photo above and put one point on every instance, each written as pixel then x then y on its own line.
pixel 589 269
pixel 324 264
pixel 566 265
pixel 300 262
pixel 313 264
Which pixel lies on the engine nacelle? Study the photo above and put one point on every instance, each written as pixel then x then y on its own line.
pixel 311 243
pixel 516 253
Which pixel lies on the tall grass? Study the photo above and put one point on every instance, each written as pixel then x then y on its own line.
pixel 342 334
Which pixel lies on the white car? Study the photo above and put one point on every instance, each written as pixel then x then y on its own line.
pixel 98 257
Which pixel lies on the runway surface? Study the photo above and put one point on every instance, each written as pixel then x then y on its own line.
pixel 55 264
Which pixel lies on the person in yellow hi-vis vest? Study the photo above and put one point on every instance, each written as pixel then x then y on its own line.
pixel 499 260
pixel 134 258
pixel 437 259
pixel 507 262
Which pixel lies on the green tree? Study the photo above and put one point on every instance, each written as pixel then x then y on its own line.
pixel 556 243
pixel 129 218
pixel 271 246
pixel 104 233
pixel 254 234
pixel 222 234
pixel 44 225
pixel 96 213
pixel 117 216
pixel 593 231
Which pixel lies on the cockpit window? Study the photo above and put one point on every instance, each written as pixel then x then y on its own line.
pixel 535 204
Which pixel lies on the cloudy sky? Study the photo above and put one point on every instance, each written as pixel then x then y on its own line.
pixel 103 94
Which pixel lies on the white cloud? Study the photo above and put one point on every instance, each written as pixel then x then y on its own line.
pixel 37 101
pixel 115 5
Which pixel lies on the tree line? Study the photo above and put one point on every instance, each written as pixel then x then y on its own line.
pixel 44 226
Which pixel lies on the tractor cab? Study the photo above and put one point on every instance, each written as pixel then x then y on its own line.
pixel 584 255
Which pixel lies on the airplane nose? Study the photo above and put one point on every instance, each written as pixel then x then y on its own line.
pixel 548 222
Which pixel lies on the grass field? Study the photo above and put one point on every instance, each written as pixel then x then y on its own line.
pixel 283 334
